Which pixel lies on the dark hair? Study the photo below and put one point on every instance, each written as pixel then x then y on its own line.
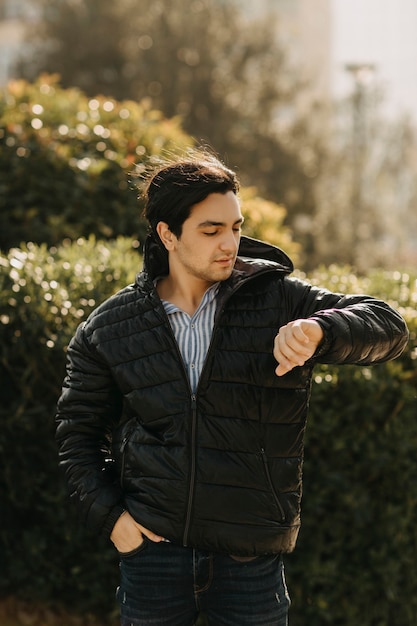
pixel 173 188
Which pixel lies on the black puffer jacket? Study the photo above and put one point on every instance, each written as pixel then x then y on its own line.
pixel 221 469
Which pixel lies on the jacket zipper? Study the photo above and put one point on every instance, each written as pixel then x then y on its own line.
pixel 122 452
pixel 192 468
pixel 194 434
pixel 271 484
pixel 193 397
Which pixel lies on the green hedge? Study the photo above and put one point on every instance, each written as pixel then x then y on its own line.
pixel 44 293
pixel 68 167
pixel 355 560
pixel 65 161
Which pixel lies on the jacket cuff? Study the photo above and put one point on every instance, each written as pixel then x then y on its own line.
pixel 327 341
pixel 111 520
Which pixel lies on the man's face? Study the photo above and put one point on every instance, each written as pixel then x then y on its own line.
pixel 208 245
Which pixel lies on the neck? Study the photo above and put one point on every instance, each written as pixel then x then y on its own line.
pixel 185 296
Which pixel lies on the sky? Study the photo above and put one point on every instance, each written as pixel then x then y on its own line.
pixel 384 33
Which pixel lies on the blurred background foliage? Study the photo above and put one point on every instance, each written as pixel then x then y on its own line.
pixel 73 165
pixel 346 175
pixel 201 60
pixel 65 160
pixel 354 563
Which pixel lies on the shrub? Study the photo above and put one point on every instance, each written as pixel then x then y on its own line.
pixel 44 294
pixel 65 161
pixel 68 167
pixel 354 563
pixel 355 559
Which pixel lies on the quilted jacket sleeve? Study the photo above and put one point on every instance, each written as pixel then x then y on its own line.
pixel 358 329
pixel 88 409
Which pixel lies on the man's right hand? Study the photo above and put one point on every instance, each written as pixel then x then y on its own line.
pixel 295 343
pixel 127 534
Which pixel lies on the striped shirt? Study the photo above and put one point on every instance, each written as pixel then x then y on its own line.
pixel 193 333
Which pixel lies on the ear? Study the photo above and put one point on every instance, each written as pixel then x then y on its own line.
pixel 166 236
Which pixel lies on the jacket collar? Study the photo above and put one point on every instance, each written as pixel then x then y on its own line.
pixel 254 257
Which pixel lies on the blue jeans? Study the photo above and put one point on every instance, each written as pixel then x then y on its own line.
pixel 166 585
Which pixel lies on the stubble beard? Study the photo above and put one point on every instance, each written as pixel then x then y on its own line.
pixel 214 274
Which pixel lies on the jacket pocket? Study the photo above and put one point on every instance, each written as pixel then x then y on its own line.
pixel 271 485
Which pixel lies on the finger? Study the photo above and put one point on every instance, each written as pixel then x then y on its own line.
pixel 298 333
pixel 289 359
pixel 293 341
pixel 285 367
pixel 290 355
pixel 281 370
pixel 286 360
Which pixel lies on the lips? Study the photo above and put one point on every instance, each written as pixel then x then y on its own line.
pixel 228 259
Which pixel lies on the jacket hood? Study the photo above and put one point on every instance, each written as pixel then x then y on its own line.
pixel 253 256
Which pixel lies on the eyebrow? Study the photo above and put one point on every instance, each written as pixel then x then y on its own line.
pixel 211 223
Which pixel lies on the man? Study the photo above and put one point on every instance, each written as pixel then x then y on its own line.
pixel 182 416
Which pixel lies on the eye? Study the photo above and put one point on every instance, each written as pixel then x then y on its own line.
pixel 210 234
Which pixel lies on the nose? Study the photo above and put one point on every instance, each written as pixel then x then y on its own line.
pixel 230 242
